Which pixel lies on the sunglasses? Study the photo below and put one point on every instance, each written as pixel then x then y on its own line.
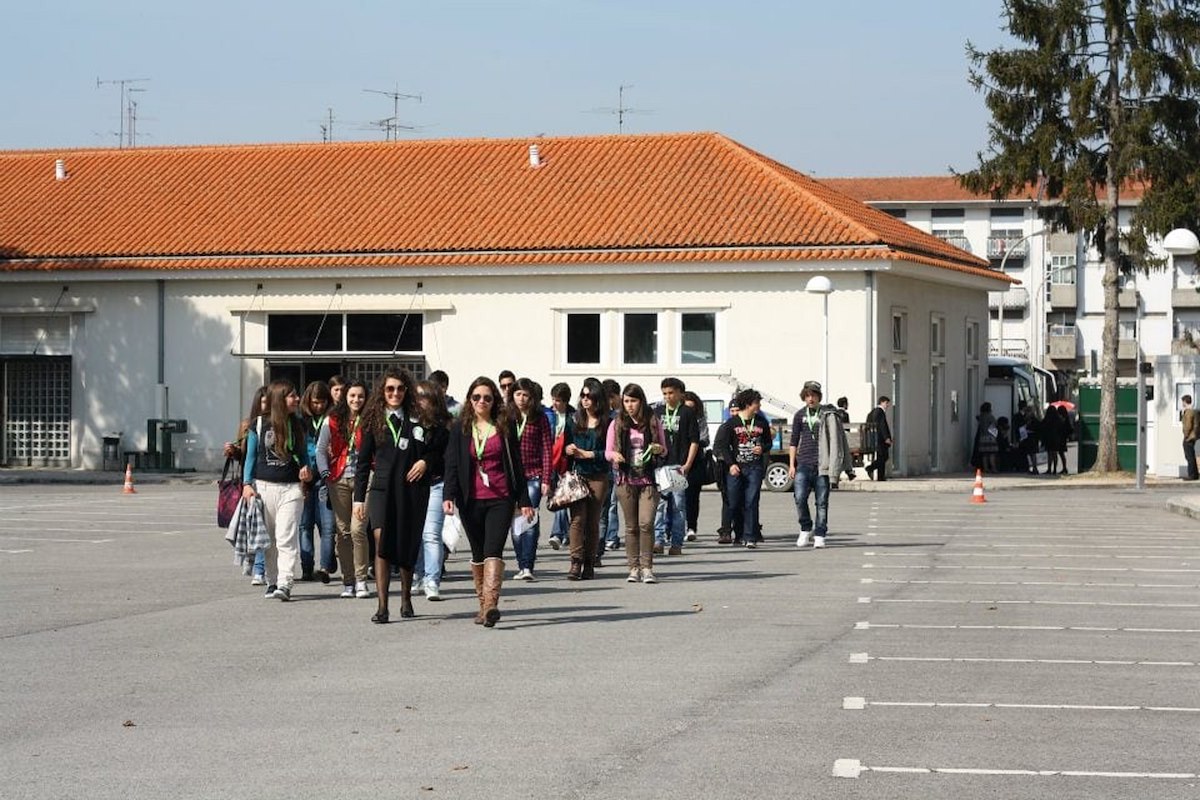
pixel 583 395
pixel 393 389
pixel 482 398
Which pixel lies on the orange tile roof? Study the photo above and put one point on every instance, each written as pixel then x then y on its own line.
pixel 936 189
pixel 651 198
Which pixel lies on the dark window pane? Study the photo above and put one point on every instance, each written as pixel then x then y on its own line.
pixel 641 338
pixel 299 333
pixel 699 339
pixel 583 338
pixel 384 333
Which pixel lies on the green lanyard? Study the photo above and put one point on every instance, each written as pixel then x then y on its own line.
pixel 317 422
pixel 521 425
pixel 395 431
pixel 671 419
pixel 480 444
pixel 812 420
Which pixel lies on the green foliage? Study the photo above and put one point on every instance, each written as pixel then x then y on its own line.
pixel 1096 91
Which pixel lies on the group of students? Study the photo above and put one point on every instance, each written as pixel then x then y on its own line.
pixel 376 473
pixel 1001 447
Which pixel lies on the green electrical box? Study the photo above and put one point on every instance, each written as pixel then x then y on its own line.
pixel 1089 426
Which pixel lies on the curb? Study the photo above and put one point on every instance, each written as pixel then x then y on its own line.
pixel 1183 507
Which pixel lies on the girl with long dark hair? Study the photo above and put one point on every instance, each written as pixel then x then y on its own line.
pixel 276 466
pixel 435 419
pixel 392 462
pixel 635 441
pixel 315 405
pixel 485 483
pixel 585 437
pixel 337 461
pixel 533 432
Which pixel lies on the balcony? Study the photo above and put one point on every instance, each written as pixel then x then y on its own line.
pixel 1062 342
pixel 1007 245
pixel 1188 297
pixel 1063 295
pixel 1127 298
pixel 1127 349
pixel 1016 298
pixel 954 238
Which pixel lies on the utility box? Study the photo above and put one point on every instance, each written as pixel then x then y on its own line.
pixel 1089 425
pixel 160 453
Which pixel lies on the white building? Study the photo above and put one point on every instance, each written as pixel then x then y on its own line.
pixel 168 283
pixel 1055 317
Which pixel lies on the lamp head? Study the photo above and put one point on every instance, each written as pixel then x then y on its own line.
pixel 1181 242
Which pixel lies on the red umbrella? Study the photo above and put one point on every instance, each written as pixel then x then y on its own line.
pixel 1067 404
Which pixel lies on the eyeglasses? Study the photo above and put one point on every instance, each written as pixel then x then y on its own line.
pixel 482 398
pixel 506 386
pixel 583 395
pixel 393 389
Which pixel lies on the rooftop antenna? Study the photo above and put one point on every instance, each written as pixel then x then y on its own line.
pixel 390 124
pixel 132 114
pixel 327 128
pixel 122 82
pixel 621 110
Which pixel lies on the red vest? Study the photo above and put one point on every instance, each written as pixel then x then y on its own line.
pixel 339 449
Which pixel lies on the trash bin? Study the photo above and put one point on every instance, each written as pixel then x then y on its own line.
pixel 111 451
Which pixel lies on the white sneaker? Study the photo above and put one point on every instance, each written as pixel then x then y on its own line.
pixel 690 536
pixel 432 592
pixel 529 575
pixel 555 542
pixel 802 539
pixel 648 576
pixel 818 541
pixel 347 590
pixel 635 575
pixel 361 591
pixel 258 580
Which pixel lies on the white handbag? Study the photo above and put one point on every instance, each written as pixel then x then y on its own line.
pixel 670 478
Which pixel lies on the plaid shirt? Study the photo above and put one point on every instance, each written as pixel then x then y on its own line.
pixel 248 532
pixel 537 441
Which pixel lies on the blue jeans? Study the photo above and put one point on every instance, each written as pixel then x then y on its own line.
pixel 260 562
pixel 429 562
pixel 610 522
pixel 317 512
pixel 672 512
pixel 525 545
pixel 808 481
pixel 562 524
pixel 743 490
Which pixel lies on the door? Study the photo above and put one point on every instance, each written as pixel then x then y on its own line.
pixel 37 412
pixel 935 416
pixel 896 425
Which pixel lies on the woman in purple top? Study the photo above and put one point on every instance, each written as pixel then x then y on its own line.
pixel 485 483
pixel 635 441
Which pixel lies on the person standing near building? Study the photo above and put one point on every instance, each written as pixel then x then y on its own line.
pixel 683 445
pixel 743 443
pixel 1190 433
pixel 558 414
pixel 817 457
pixel 536 439
pixel 337 459
pixel 843 414
pixel 315 405
pixel 586 435
pixel 505 380
pixel 878 421
pixel 697 476
pixel 635 441
pixel 436 420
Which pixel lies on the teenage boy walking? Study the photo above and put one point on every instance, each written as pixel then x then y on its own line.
pixel 817 456
pixel 683 444
pixel 744 443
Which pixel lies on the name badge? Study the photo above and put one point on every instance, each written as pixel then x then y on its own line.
pixel 402 443
pixel 418 433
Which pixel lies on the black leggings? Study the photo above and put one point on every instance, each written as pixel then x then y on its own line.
pixel 487 523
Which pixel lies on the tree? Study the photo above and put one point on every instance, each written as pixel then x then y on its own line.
pixel 1101 96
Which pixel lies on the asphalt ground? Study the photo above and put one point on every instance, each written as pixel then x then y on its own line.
pixel 1042 644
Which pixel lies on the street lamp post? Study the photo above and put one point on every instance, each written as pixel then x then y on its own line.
pixel 1003 261
pixel 819 284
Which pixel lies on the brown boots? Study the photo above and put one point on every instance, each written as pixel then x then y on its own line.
pixel 477 574
pixel 493 576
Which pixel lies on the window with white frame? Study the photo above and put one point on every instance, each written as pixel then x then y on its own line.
pixel 1127 329
pixel 1062 269
pixel 345 333
pixel 937 335
pixel 698 337
pixel 582 338
pixel 639 337
pixel 899 331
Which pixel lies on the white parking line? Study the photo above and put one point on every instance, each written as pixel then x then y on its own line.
pixel 967 554
pixel 866 626
pixel 954 534
pixel 864 658
pixel 853 768
pixel 1088 584
pixel 861 704
pixel 1026 603
pixel 15 552
pixel 57 541
pixel 1081 546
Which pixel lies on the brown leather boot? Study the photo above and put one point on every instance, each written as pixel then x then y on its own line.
pixel 477 574
pixel 576 570
pixel 493 576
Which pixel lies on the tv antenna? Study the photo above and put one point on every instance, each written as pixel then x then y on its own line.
pixel 621 109
pixel 122 82
pixel 391 125
pixel 327 127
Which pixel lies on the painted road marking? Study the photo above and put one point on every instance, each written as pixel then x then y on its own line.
pixel 1028 603
pixel 853 768
pixel 965 554
pixel 866 626
pixel 58 541
pixel 865 658
pixel 1088 584
pixel 861 704
pixel 1025 567
pixel 15 552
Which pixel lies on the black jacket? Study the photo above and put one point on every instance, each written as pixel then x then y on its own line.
pixel 883 432
pixel 460 480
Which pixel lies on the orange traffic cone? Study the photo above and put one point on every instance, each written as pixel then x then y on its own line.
pixel 977 496
pixel 129 480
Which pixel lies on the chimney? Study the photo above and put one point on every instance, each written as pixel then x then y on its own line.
pixel 535 159
pixel 60 169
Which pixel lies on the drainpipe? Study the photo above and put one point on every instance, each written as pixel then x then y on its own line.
pixel 163 409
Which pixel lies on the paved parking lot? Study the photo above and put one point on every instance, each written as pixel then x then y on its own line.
pixel 1043 644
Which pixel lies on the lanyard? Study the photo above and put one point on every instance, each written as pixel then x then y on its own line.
pixel 670 418
pixel 560 424
pixel 317 422
pixel 746 423
pixel 395 431
pixel 480 443
pixel 812 420
pixel 521 425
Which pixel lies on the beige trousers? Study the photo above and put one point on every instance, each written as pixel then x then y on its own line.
pixel 638 505
pixel 353 552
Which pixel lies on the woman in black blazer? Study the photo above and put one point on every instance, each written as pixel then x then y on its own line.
pixel 485 481
pixel 396 496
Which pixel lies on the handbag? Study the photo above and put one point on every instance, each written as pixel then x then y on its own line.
pixel 670 478
pixel 571 489
pixel 229 492
pixel 454 535
pixel 708 469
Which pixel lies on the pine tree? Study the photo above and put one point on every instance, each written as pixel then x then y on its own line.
pixel 1100 97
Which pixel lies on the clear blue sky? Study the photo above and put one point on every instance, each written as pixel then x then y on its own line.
pixel 864 87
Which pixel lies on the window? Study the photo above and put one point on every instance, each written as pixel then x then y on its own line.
pixel 1127 329
pixel 937 335
pixel 583 338
pixel 899 331
pixel 1062 269
pixel 342 333
pixel 954 236
pixel 947 213
pixel 640 333
pixel 898 213
pixel 698 335
pixel 972 340
pixel 1008 213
